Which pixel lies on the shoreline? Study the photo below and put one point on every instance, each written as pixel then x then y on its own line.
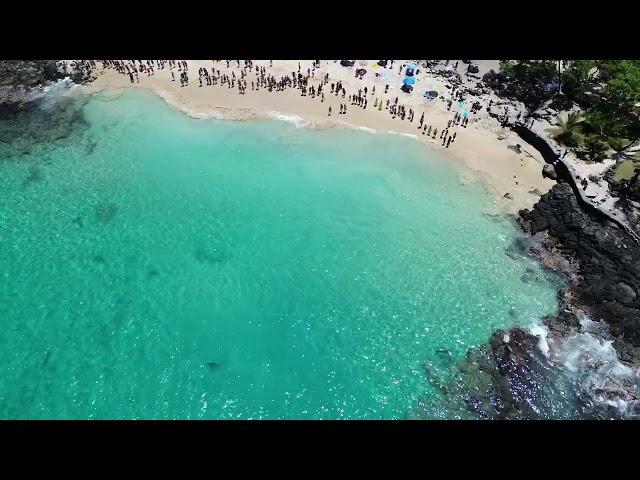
pixel 478 154
pixel 551 213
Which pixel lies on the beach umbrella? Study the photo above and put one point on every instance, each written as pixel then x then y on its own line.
pixel 409 81
pixel 412 66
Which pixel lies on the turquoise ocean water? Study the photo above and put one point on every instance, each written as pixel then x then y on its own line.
pixel 158 266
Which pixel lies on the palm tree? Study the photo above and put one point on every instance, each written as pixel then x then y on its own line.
pixel 596 147
pixel 604 134
pixel 569 131
pixel 625 149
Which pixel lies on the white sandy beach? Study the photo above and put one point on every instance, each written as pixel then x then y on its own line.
pixel 477 149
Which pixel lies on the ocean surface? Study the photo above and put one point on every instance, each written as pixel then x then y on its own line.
pixel 155 266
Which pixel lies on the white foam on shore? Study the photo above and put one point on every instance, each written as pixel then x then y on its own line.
pixel 365 129
pixel 584 350
pixel 373 130
pixel 541 331
pixel 213 112
pixel 595 363
pixel 590 358
pixel 52 92
pixel 295 119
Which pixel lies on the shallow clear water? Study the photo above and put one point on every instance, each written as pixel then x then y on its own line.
pixel 318 270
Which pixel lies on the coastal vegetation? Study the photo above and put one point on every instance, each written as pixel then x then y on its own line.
pixel 607 91
pixel 598 106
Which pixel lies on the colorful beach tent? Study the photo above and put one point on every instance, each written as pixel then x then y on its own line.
pixel 411 69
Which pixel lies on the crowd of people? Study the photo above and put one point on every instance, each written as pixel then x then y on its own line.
pixel 250 75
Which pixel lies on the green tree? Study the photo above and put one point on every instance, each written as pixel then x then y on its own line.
pixel 578 78
pixel 595 147
pixel 569 131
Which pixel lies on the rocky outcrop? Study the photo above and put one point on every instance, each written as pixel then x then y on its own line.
pixel 499 379
pixel 20 79
pixel 549 172
pixel 564 173
pixel 29 73
pixel 512 377
pixel 26 117
pixel 608 260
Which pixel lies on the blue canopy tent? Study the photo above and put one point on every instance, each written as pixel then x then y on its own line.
pixel 411 69
pixel 409 81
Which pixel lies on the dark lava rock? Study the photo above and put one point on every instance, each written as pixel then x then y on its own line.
pixel 624 293
pixel 29 73
pixel 509 378
pixel 549 171
pixel 608 259
pixel 19 79
pixel 530 276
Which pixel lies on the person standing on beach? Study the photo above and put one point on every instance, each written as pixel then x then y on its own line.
pixel 329 110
